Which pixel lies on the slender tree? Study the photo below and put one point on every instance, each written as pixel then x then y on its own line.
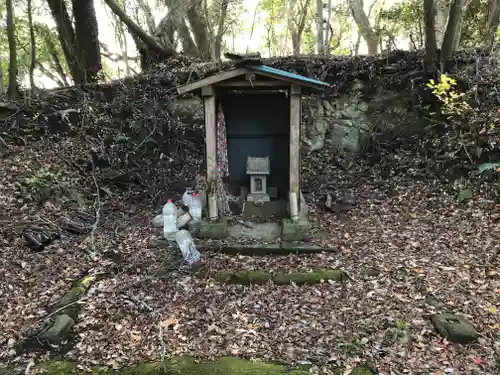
pixel 329 30
pixel 492 22
pixel 33 46
pixel 12 89
pixel 319 27
pixel 87 39
pixel 364 26
pixel 2 86
pixel 453 28
pixel 220 30
pixel 430 33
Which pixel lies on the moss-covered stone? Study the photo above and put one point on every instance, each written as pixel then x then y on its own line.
pixel 6 371
pixel 294 230
pixel 226 366
pixel 261 277
pixel 73 295
pixel 244 277
pixel 455 328
pixel 151 368
pixel 361 371
pixel 57 326
pixel 301 278
pixel 59 330
pixel 214 229
pixel 180 366
pixel 58 368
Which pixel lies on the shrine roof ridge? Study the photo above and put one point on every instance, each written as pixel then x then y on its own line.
pixel 263 70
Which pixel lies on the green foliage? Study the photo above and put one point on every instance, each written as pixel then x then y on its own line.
pixel 274 22
pixel 42 178
pixel 464 195
pixel 404 19
pixel 341 26
pixel 453 103
pixel 43 33
pixel 45 184
pixel 473 23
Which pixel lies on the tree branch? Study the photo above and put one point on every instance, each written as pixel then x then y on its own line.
pixel 115 56
pixel 136 30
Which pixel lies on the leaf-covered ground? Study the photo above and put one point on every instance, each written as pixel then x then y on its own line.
pixel 402 236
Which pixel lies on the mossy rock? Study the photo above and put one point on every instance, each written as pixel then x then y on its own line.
pixel 226 366
pixel 244 277
pixel 361 371
pixel 58 368
pixel 180 366
pixel 59 330
pixel 261 277
pixel 6 371
pixel 301 278
pixel 454 328
pixel 73 295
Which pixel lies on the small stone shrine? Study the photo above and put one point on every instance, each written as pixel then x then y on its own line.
pixel 258 169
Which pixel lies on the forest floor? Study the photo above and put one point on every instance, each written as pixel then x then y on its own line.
pixel 406 227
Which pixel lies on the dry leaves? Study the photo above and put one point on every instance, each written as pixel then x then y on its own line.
pixel 404 223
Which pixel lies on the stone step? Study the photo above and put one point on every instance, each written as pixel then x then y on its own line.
pixel 281 248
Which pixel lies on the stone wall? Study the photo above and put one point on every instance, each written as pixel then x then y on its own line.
pixel 352 119
pixel 347 121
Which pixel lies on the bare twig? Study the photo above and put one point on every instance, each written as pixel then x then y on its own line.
pixel 162 342
pixel 61 309
pixel 30 364
pixel 2 141
pixel 147 137
pixel 98 208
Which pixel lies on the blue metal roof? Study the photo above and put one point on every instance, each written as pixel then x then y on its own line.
pixel 287 75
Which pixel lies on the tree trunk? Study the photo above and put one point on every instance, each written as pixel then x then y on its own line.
pixel 33 47
pixel 67 38
pixel 430 33
pixel 456 13
pixel 220 30
pixel 87 39
pixel 188 44
pixel 297 23
pixel 493 22
pixel 358 38
pixel 364 27
pixel 2 86
pixel 136 30
pixel 150 20
pixel 175 20
pixel 458 35
pixel 329 31
pixel 125 48
pixel 199 28
pixel 165 31
pixel 442 10
pixel 11 36
pixel 319 27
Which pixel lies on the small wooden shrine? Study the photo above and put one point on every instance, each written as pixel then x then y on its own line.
pixel 262 109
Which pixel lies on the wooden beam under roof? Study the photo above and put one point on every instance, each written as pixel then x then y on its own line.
pixel 223 76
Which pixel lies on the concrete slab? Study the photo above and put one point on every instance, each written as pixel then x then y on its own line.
pixel 214 229
pixel 257 231
pixel 295 230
